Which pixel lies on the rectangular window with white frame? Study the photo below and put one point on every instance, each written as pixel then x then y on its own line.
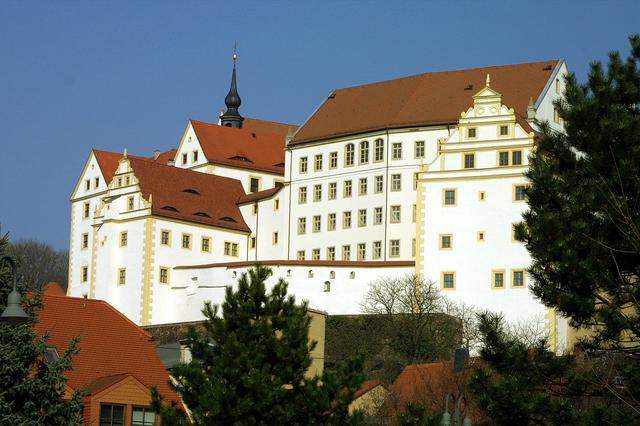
pixel 165 237
pixel 396 151
pixel 317 224
pixel 333 190
pixel 394 248
pixel 317 193
pixel 84 241
pixel 346 220
pixel 84 274
pixel 315 254
pixel 396 182
pixel 377 216
pixel 362 217
pixel 302 195
pixel 122 276
pixel 419 149
pixel 303 165
pixel 124 238
pixel 346 252
pixel 186 241
pixel 362 187
pixel 362 251
pixel 205 245
pixel 377 250
pixel 333 160
pixel 301 255
pixel 317 163
pixel 331 222
pixel 379 184
pixel 164 275
pixel 331 253
pixel 395 214
pixel 302 225
pixel 347 189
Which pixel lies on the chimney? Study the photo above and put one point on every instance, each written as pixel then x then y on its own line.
pixel 156 154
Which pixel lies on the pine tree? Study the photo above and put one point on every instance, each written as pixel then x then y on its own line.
pixel 249 366
pixel 32 390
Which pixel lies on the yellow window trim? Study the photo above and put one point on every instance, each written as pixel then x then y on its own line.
pixel 160 275
pixel 462 158
pixel 168 239
pixel 274 238
pixel 440 245
pixel 82 246
pixel 524 278
pixel 182 241
pixel 455 194
pixel 118 276
pixel 442 274
pixel 466 133
pixel 202 244
pixel 513 193
pixel 276 204
pixel 231 244
pixel 482 196
pixel 481 236
pixel 120 239
pixel 259 182
pixel 493 279
pixel 329 165
pixel 510 128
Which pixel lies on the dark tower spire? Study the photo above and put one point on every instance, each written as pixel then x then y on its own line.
pixel 231 117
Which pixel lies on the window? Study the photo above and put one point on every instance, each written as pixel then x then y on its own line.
pixel 416 176
pixel 85 274
pixel 377 249
pixel 315 254
pixel 96 182
pixel 230 249
pixel 205 245
pixel 143 417
pixel 377 215
pixel 333 160
pixel 331 253
pixel 332 275
pixel 497 278
pixel 413 213
pixel 127 180
pixel 504 131
pixel 362 251
pixel 302 225
pixel 556 116
pixel 379 150
pixel 445 241
pixel 254 184
pixel 184 158
pixel 482 196
pixel 503 158
pixel 419 149
pixel 449 197
pixel 111 415
pixel 346 220
pixel 519 192
pixel 119 182
pixel 362 217
pixel 303 165
pixel 448 280
pixel 122 276
pixel 517 278
pixel 394 248
pixel 164 275
pixel 85 210
pixel 331 222
pixel 186 241
pixel 413 247
pixel 394 216
pixel 317 163
pixel 362 189
pixel 346 252
pixel 301 255
pixel 317 193
pixel 396 151
pixel 130 203
pixel 396 182
pixel 327 286
pixel 124 236
pixel 165 237
pixel 276 204
pixel 84 241
pixel 349 154
pixel 302 195
pixel 364 152
pixel 469 161
pixel 481 236
pixel 379 184
pixel 254 209
pixel 87 185
pixel 347 189
pixel 516 158
pixel 557 86
pixel 252 242
pixel 333 190
pixel 274 238
pixel 472 132
pixel 316 223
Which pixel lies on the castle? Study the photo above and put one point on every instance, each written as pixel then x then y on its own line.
pixel 422 174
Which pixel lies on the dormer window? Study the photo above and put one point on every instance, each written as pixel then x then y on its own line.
pixel 228 219
pixel 194 157
pixel 201 214
pixel 191 191
pixel 169 208
pixel 184 159
pixel 240 158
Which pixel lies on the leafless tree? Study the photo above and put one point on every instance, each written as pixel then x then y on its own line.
pixel 39 263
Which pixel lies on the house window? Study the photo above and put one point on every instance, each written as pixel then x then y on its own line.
pixel 276 204
pixel 556 116
pixel 164 275
pixel 519 192
pixel 395 214
pixel 364 152
pixel 143 417
pixel 327 286
pixel 85 274
pixel 377 249
pixel 481 236
pixel 317 192
pixel 130 203
pixel 449 196
pixel 497 279
pixel 127 180
pixel 557 86
pixel 504 131
pixel 396 150
pixel 274 238
pixel 379 150
pixel 122 276
pixel 346 220
pixel 87 185
pixel 481 196
pixel 333 190
pixel 85 241
pixel 85 210
pixel 316 223
pixel 377 215
pixel 254 209
pixel 206 244
pixel 396 182
pixel 362 190
pixel 331 222
pixel 124 236
pixel 317 163
pixel 419 149
pixel 252 242
pixel 469 161
pixel 503 158
pixel 303 165
pixel 448 280
pixel 254 184
pixel 445 241
pixel 517 278
pixel 413 213
pixel 230 249
pixel 186 241
pixel 362 217
pixel 416 176
pixel 362 251
pixel 346 252
pixel 96 182
pixel 302 195
pixel 394 248
pixel 315 254
pixel 379 184
pixel 301 255
pixel 516 158
pixel 471 132
pixel 413 247
pixel 349 154
pixel 111 415
pixel 184 158
pixel 165 237
pixel 347 189
pixel 119 182
pixel 331 253
pixel 194 157
pixel 333 160
pixel 302 225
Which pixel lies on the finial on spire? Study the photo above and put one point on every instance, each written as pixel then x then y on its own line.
pixel 488 83
pixel 231 117
pixel 125 153
pixel 235 52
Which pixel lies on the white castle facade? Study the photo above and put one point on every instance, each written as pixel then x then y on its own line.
pixel 422 174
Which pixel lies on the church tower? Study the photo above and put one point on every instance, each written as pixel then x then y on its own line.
pixel 231 117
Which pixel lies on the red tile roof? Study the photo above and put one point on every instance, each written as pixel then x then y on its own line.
pixel 426 99
pixel 264 126
pixel 334 263
pixel 367 386
pixel 260 195
pixel 241 147
pixel 108 161
pixel 189 195
pixel 110 344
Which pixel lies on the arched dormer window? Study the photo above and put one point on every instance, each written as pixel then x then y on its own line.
pixel 201 214
pixel 169 208
pixel 332 275
pixel 349 154
pixel 378 155
pixel 364 152
pixel 228 219
pixel 191 191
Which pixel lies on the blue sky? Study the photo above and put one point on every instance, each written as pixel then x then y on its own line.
pixel 77 75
